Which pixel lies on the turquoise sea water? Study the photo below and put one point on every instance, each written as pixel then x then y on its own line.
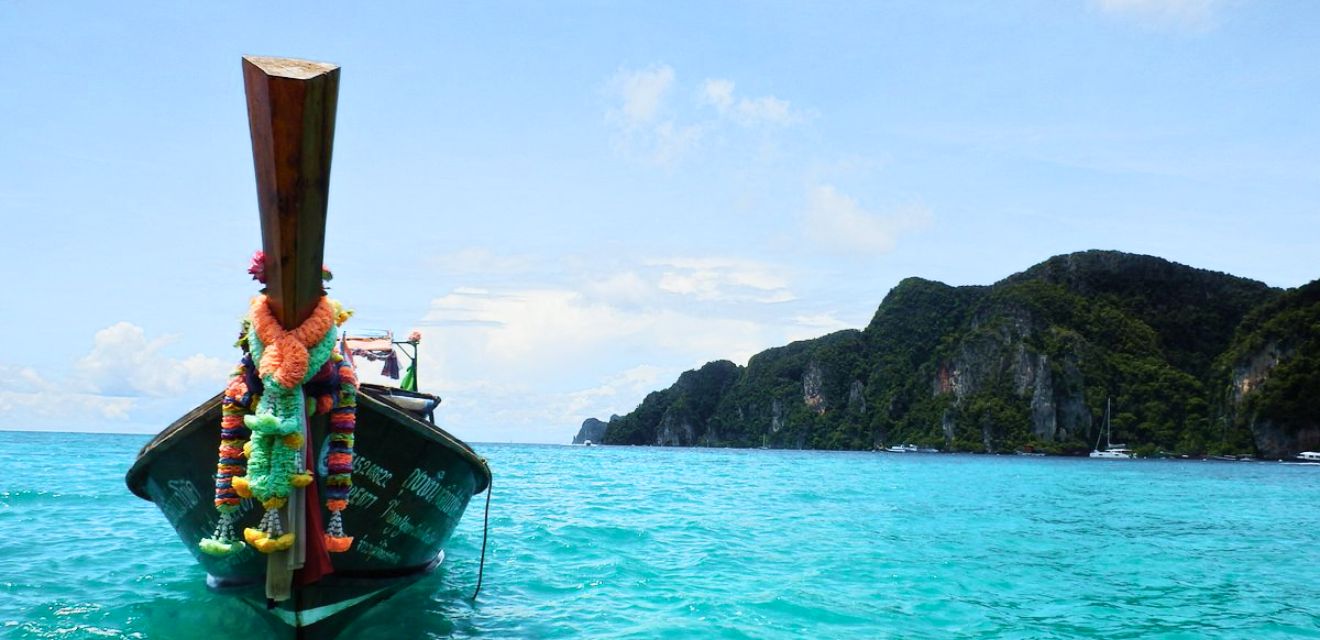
pixel 606 542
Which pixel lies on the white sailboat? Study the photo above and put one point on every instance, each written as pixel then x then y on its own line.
pixel 1110 450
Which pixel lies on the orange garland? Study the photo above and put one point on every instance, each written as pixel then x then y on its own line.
pixel 285 356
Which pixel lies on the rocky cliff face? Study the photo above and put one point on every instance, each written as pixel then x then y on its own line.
pixel 1028 361
pixel 592 430
pixel 1273 369
pixel 675 430
pixel 1273 436
pixel 1003 353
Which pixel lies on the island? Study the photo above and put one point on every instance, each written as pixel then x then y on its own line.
pixel 1192 361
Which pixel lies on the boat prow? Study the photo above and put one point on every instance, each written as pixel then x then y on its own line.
pixel 412 483
pixel 360 489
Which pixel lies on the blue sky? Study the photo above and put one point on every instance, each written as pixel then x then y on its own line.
pixel 574 202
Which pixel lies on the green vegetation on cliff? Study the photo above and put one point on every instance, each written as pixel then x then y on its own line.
pixel 1026 362
pixel 1273 373
pixel 677 415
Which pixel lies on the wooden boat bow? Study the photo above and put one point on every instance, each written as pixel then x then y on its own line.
pixel 415 479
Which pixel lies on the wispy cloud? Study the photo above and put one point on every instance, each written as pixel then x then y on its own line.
pixel 652 124
pixel 626 288
pixel 516 360
pixel 123 369
pixel 814 325
pixel 719 93
pixel 821 321
pixel 545 350
pixel 622 389
pixel 124 362
pixel 643 118
pixel 837 222
pixel 644 92
pixel 472 260
pixel 1193 15
pixel 726 279
pixel 29 400
pixel 544 328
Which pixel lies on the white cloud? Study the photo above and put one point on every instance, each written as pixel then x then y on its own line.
pixel 723 279
pixel 718 93
pixel 746 111
pixel 837 222
pixel 479 260
pixel 808 326
pixel 823 321
pixel 670 142
pixel 123 362
pixel 28 400
pixel 1188 14
pixel 529 362
pixel 642 283
pixel 626 287
pixel 546 328
pixel 644 92
pixel 645 125
pixel 651 125
pixel 124 372
pixel 616 395
pixel 532 360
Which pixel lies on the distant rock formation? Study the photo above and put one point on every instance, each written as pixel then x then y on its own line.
pixel 593 430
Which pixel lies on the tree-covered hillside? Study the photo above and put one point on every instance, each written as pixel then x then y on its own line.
pixel 1026 362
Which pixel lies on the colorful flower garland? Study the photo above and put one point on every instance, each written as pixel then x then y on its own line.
pixel 339 463
pixel 285 376
pixel 244 387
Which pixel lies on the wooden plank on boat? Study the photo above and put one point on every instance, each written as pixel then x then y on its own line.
pixel 291 116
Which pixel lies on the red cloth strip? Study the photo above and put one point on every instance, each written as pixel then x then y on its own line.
pixel 317 564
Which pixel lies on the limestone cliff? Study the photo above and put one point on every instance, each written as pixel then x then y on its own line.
pixel 1028 361
pixel 592 430
pixel 1273 375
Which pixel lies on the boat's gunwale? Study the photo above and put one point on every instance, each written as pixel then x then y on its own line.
pixel 427 429
pixel 136 476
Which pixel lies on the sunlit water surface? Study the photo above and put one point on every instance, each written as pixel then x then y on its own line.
pixel 628 542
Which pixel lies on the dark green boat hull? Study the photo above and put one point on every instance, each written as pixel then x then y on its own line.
pixel 412 482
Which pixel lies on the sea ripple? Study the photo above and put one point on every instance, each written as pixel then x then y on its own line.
pixel 636 542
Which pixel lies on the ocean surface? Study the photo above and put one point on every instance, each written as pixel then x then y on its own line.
pixel 632 542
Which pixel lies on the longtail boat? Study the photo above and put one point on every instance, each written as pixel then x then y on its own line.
pixel 343 492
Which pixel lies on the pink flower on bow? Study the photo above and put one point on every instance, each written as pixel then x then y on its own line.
pixel 258 268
